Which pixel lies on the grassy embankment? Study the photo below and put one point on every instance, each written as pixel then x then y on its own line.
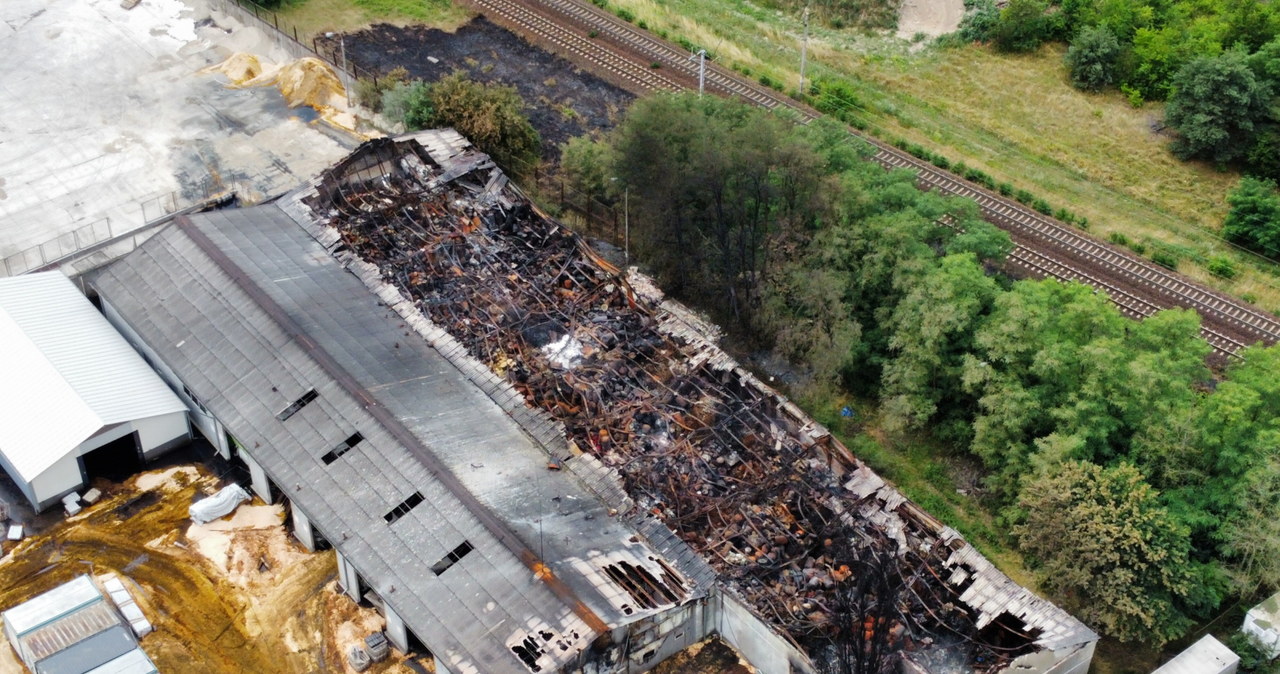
pixel 316 17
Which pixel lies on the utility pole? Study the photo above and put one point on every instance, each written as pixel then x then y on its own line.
pixel 626 225
pixel 342 46
pixel 701 55
pixel 804 49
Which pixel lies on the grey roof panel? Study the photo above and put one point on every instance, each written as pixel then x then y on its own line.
pixel 236 350
pixel 90 652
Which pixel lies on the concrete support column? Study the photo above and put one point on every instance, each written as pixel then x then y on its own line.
pixel 440 668
pixel 258 476
pixel 349 579
pixel 397 633
pixel 219 438
pixel 302 529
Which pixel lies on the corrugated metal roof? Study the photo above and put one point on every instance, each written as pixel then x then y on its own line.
pixel 262 314
pixel 133 662
pixel 48 607
pixel 89 652
pixel 41 417
pixel 1206 656
pixel 76 374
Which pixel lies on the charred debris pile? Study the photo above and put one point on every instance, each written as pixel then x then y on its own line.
pixel 796 526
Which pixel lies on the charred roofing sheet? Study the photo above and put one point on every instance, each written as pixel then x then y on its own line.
pixel 202 316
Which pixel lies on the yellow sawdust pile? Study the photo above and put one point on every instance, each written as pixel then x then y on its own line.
pixel 306 81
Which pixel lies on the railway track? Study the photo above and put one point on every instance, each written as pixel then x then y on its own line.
pixel 1044 247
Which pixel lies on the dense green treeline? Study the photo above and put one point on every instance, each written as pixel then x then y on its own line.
pixel 1141 485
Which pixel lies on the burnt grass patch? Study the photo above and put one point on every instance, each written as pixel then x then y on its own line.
pixel 562 100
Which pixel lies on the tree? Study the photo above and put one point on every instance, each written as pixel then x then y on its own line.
pixel 1022 26
pixel 1107 547
pixel 490 116
pixel 1047 360
pixel 1254 218
pixel 409 102
pixel 932 329
pixel 1093 57
pixel 1216 106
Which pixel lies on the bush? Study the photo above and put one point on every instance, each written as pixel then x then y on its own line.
pixel 1092 58
pixel 1222 266
pixel 369 92
pixel 492 117
pixel 410 104
pixel 626 14
pixel 1165 259
pixel 1022 26
pixel 1005 189
pixel 979 23
pixel 1118 239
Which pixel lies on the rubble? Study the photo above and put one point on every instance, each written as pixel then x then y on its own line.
pixel 780 509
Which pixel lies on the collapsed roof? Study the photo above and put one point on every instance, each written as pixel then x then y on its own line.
pixel 789 519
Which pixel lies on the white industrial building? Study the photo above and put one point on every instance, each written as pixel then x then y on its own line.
pixel 76 400
pixel 1206 656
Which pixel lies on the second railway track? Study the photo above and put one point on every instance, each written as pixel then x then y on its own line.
pixel 583 32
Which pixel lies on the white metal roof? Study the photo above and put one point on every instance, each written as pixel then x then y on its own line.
pixel 1206 656
pixel 45 608
pixel 68 373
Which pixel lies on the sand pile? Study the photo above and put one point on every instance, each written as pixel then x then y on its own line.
pixel 306 81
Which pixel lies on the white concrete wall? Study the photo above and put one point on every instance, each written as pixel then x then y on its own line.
pixel 397 633
pixel 764 648
pixel 158 434
pixel 1073 660
pixel 258 477
pixel 61 478
pixel 349 579
pixel 17 479
pixel 302 530
pixel 657 638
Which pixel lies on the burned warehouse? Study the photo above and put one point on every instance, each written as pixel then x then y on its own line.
pixel 530 460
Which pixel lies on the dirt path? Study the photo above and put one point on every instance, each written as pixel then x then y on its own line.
pixel 930 17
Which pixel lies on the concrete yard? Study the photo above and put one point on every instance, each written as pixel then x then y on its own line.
pixel 106 120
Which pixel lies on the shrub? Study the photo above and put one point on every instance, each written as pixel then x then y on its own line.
pixel 369 92
pixel 979 23
pixel 1222 266
pixel 1093 58
pixel 626 14
pixel 1021 27
pixel 1165 259
pixel 1005 189
pixel 1118 239
pixel 1138 248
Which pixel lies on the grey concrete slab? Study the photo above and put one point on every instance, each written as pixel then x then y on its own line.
pixel 106 120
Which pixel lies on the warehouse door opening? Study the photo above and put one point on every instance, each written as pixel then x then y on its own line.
pixel 116 461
